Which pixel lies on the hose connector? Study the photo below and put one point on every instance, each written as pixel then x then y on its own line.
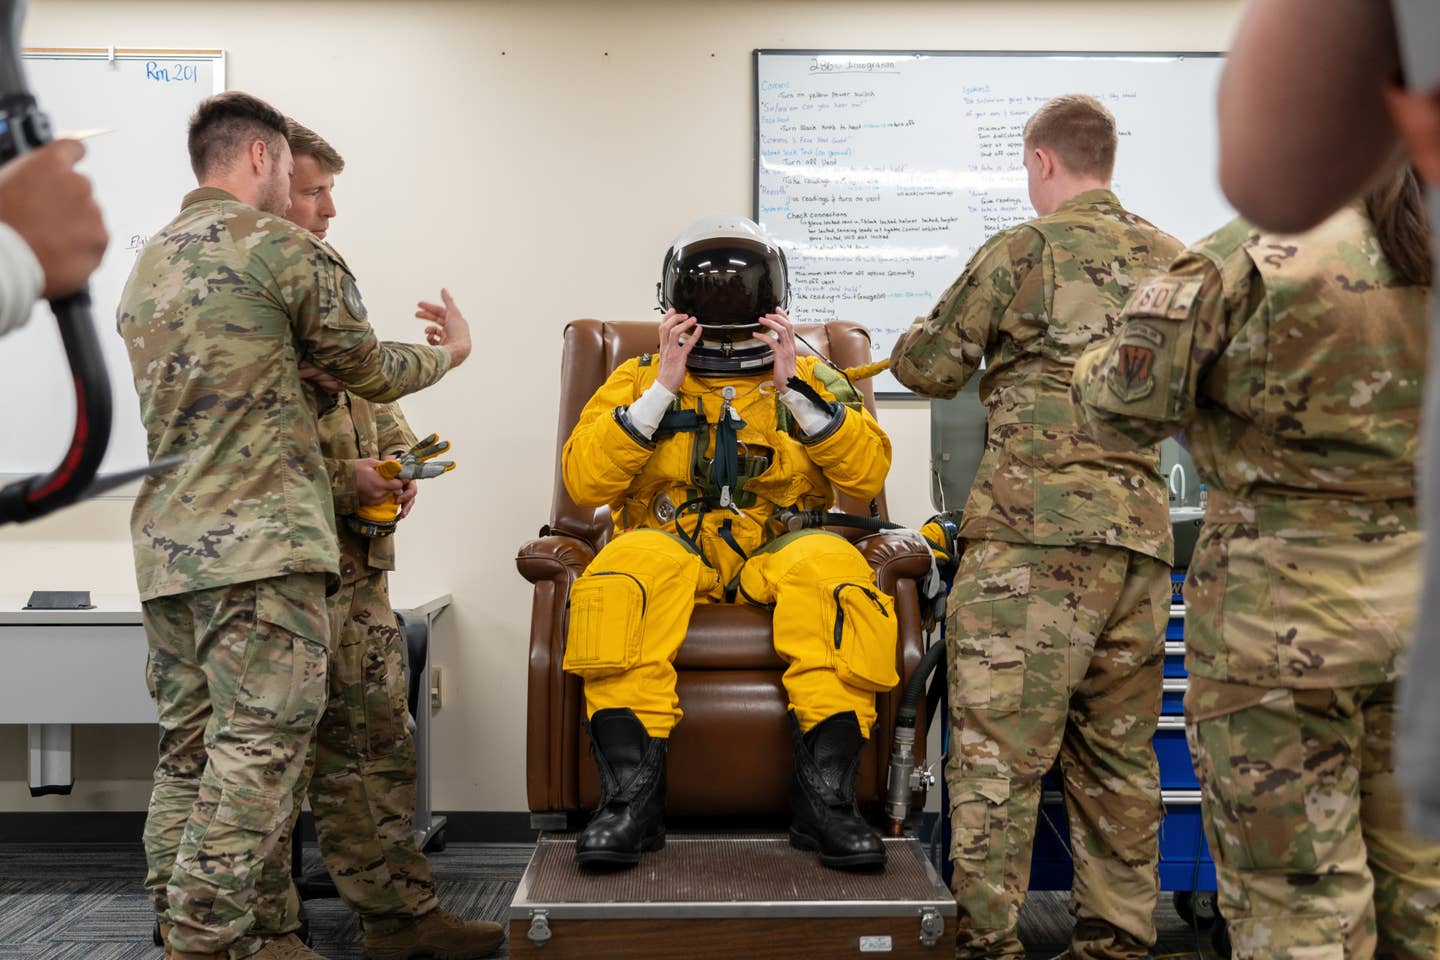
pixel 898 786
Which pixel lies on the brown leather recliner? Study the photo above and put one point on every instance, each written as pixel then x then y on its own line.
pixel 731 754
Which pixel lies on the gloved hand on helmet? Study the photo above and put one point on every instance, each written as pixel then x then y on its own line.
pixel 727 303
pixel 417 463
pixel 943 535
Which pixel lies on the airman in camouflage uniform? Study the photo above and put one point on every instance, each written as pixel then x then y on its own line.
pixel 234 548
pixel 1055 625
pixel 362 787
pixel 1294 366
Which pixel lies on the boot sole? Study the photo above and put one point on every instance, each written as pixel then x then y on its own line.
pixel 855 861
pixel 613 859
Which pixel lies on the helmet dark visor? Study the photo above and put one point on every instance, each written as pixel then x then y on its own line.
pixel 727 283
pixel 727 273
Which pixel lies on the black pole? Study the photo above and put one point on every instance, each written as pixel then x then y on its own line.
pixel 23 127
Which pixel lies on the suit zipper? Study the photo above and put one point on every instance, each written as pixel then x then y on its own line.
pixel 840 609
pixel 644 597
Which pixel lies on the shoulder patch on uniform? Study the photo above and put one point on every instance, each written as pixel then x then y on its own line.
pixel 1171 299
pixel 351 293
pixel 1131 375
pixel 1145 331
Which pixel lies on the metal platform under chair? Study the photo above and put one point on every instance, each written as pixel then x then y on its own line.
pixel 722 890
pixel 744 894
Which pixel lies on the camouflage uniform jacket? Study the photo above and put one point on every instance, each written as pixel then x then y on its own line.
pixel 644 481
pixel 352 428
pixel 222 306
pixel 1294 365
pixel 1029 302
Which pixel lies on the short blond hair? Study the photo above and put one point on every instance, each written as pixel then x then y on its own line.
pixel 305 142
pixel 1080 131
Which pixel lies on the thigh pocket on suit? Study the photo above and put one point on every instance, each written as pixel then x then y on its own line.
pixel 382 687
pixel 986 635
pixel 607 623
pixel 282 683
pixel 858 624
pixel 1252 763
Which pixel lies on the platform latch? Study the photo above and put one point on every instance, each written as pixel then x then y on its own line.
pixel 932 927
pixel 540 927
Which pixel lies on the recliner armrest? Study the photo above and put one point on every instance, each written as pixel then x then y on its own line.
pixel 895 557
pixel 553 557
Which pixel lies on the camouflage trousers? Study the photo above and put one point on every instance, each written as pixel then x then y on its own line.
pixel 363 786
pixel 238 678
pixel 1306 823
pixel 1056 651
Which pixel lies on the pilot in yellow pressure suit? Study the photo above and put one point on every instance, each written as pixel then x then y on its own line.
pixel 695 448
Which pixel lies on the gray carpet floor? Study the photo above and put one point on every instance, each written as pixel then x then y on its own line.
pixel 84 902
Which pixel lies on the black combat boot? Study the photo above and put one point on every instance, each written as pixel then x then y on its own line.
pixel 632 792
pixel 822 795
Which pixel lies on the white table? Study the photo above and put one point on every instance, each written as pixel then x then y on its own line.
pixel 65 667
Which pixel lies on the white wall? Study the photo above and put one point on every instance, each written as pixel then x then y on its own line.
pixel 537 157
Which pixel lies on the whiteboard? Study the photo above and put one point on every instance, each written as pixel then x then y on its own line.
pixel 140 172
pixel 880 173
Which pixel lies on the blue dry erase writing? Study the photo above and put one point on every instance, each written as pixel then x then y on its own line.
pixel 172 72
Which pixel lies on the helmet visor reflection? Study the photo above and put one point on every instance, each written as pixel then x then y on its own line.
pixel 727 285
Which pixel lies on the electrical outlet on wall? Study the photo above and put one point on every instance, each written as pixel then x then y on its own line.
pixel 436 672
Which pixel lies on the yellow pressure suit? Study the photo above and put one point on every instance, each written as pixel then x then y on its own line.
pixel 675 544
